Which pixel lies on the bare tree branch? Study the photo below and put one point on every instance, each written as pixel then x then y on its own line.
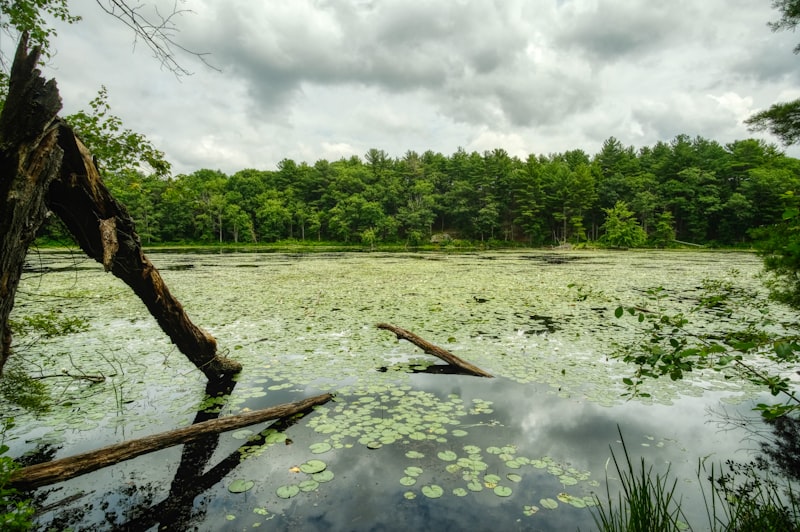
pixel 157 33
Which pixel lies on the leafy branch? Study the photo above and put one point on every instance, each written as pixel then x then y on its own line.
pixel 668 348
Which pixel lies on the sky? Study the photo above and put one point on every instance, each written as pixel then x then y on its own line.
pixel 326 79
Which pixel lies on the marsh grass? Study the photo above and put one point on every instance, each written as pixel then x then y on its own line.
pixel 745 498
pixel 645 503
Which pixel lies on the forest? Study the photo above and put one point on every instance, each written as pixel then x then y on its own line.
pixel 691 190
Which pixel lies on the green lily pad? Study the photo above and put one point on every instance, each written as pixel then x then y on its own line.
pixel 308 485
pixel 408 481
pixel 413 471
pixel 460 492
pixel 432 491
pixel 319 448
pixel 530 509
pixel 410 495
pixel 240 486
pixel 414 454
pixel 513 477
pixel 447 456
pixel 550 504
pixel 287 492
pixel 475 485
pixel 323 476
pixel 313 466
pixel 472 449
pixel 502 491
pixel 458 433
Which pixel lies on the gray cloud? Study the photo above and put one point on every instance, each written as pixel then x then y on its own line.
pixel 339 77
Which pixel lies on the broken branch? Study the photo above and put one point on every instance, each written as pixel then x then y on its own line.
pixel 435 350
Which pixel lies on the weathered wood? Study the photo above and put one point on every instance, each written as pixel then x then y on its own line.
pixel 73 466
pixel 106 232
pixel 43 165
pixel 29 161
pixel 435 350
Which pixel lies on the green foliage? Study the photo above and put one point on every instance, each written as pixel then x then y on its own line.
pixel 669 347
pixel 48 325
pixel 117 149
pixel 780 245
pixel 621 229
pixel 30 16
pixel 781 119
pixel 15 514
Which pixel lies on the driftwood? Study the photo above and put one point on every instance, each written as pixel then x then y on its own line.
pixel 44 166
pixel 73 466
pixel 435 350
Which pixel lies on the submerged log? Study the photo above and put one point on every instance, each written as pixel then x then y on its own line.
pixel 66 468
pixel 435 350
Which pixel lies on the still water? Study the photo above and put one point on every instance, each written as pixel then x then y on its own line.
pixel 399 448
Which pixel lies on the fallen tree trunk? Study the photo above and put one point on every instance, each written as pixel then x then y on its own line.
pixel 66 468
pixel 435 350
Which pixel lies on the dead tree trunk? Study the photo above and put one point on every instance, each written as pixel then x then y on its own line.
pixel 73 466
pixel 29 161
pixel 44 165
pixel 435 350
pixel 105 231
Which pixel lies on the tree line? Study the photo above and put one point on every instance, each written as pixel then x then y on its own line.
pixel 689 189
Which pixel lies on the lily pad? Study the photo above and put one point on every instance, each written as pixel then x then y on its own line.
pixel 410 495
pixel 408 481
pixel 530 509
pixel 502 491
pixel 287 492
pixel 460 492
pixel 432 491
pixel 308 485
pixel 550 504
pixel 413 471
pixel 447 456
pixel 313 466
pixel 319 448
pixel 323 476
pixel 513 477
pixel 414 454
pixel 240 486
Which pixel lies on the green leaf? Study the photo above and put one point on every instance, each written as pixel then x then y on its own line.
pixel 618 312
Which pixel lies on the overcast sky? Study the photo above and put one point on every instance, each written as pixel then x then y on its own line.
pixel 307 80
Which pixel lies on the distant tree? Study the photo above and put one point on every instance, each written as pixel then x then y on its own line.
pixel 621 228
pixel 664 233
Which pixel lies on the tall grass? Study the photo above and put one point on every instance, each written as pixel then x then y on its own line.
pixel 646 502
pixel 744 499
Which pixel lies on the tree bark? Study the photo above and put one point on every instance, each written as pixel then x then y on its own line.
pixel 29 161
pixel 66 468
pixel 43 165
pixel 435 350
pixel 105 231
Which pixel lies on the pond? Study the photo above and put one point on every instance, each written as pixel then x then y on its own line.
pixel 399 448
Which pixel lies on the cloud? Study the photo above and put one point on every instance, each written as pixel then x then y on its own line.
pixel 311 79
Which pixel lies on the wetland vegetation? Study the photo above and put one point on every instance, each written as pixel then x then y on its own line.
pixel 528 449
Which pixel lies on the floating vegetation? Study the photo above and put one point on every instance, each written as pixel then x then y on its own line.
pixel 240 486
pixel 441 437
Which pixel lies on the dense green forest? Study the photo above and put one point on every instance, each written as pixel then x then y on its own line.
pixel 690 189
